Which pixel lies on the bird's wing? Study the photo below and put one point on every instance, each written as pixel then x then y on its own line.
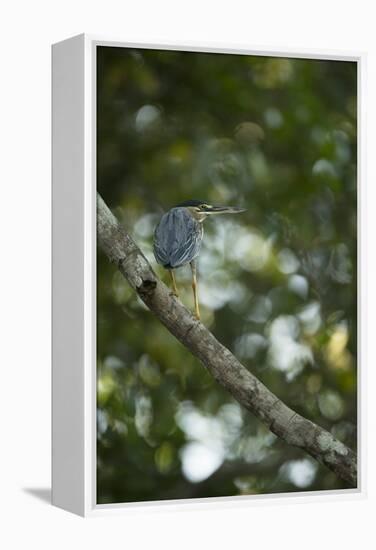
pixel 177 238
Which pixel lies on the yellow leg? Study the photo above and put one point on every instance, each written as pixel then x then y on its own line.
pixel 195 289
pixel 175 288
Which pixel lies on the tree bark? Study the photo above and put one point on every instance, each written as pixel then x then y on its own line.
pixel 219 361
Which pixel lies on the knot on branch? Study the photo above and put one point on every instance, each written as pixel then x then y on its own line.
pixel 147 287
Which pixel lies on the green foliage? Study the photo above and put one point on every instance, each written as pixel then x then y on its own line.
pixel 277 284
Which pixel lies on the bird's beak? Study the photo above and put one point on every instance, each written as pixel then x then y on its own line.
pixel 225 210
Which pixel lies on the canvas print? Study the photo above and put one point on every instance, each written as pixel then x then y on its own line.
pixel 226 275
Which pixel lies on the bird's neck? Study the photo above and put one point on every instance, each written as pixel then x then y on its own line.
pixel 199 216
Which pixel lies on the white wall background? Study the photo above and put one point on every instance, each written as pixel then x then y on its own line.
pixel 27 30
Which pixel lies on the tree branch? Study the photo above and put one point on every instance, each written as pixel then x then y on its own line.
pixel 226 369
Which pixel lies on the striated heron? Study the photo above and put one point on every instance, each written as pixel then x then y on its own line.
pixel 178 236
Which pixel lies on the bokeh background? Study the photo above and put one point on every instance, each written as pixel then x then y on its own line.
pixel 277 284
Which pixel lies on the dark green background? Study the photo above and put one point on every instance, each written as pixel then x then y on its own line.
pixel 277 284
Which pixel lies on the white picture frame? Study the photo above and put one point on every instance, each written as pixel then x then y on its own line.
pixel 74 277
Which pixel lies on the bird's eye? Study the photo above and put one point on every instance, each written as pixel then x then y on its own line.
pixel 205 206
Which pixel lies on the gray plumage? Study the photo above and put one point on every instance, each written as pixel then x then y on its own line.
pixel 177 238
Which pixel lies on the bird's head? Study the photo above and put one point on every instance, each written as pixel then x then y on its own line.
pixel 200 209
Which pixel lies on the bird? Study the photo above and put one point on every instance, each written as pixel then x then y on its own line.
pixel 178 237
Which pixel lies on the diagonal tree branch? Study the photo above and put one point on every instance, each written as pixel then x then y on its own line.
pixel 226 369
